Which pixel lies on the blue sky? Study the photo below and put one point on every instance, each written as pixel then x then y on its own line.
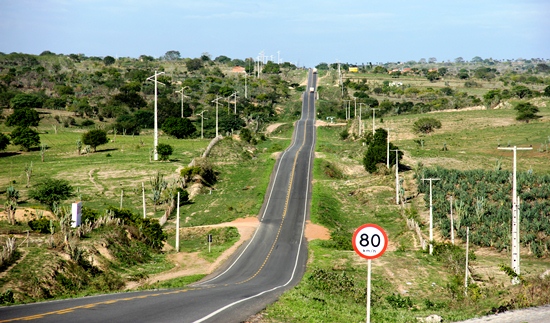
pixel 304 32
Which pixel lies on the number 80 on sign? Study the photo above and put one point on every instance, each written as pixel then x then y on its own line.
pixel 370 241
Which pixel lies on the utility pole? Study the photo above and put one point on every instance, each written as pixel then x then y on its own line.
pixel 396 176
pixel 431 213
pixel 515 215
pixel 346 106
pixel 355 112
pixel 217 99
pixel 156 132
pixel 373 114
pixel 235 103
pixel 182 96
pixel 202 122
pixel 388 148
pixel 360 121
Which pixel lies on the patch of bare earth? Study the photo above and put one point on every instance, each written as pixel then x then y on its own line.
pixel 187 264
pixel 321 123
pixel 272 127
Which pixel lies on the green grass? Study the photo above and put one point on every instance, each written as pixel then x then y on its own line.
pixel 404 273
pixel 120 165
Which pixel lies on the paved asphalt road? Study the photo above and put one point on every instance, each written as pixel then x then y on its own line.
pixel 272 261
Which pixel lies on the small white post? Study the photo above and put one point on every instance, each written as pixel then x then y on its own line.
pixel 466 269
pixel 143 197
pixel 178 225
pixel 368 289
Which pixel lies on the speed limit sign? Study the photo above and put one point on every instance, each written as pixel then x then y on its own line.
pixel 370 241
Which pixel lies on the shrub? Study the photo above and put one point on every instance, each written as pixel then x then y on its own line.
pixel 426 125
pixel 51 191
pixel 164 150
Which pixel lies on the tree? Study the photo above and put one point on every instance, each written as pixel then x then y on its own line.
pixel 25 137
pixel 459 60
pixel 109 60
pixel 526 112
pixel 271 68
pixel 377 151
pixel 164 150
pixel 23 117
pixel 426 125
pixel 51 191
pixel 193 64
pixel 23 100
pixel 547 91
pixel 4 141
pixel 521 91
pixel 95 138
pixel 178 127
pixel 172 55
pixel 245 134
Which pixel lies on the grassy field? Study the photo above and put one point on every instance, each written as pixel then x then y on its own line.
pixel 407 282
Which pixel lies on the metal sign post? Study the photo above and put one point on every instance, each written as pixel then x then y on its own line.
pixel 369 241
pixel 209 242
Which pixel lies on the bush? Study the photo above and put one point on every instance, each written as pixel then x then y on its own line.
pixel 95 138
pixel 51 191
pixel 426 125
pixel 164 150
pixel 87 123
pixel 42 225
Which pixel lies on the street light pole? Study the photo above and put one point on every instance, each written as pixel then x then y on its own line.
pixel 217 99
pixel 182 96
pixel 431 213
pixel 202 122
pixel 515 214
pixel 156 131
pixel 373 114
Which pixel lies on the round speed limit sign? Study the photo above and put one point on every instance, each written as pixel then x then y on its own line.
pixel 370 241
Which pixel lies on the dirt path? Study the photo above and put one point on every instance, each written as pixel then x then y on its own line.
pixel 187 264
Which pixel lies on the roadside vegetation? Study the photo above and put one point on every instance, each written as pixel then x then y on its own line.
pixel 84 125
pixel 79 128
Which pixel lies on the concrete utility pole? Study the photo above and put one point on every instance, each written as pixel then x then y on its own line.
pixel 373 114
pixel 360 122
pixel 202 122
pixel 431 213
pixel 235 102
pixel 388 148
pixel 182 96
pixel 156 131
pixel 396 176
pixel 346 106
pixel 515 215
pixel 355 112
pixel 217 99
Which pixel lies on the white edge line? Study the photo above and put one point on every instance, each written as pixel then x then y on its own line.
pixel 295 262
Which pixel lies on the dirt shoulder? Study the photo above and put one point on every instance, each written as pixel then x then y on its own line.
pixel 187 264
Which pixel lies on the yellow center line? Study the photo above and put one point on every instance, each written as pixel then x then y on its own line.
pixel 87 306
pixel 289 190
